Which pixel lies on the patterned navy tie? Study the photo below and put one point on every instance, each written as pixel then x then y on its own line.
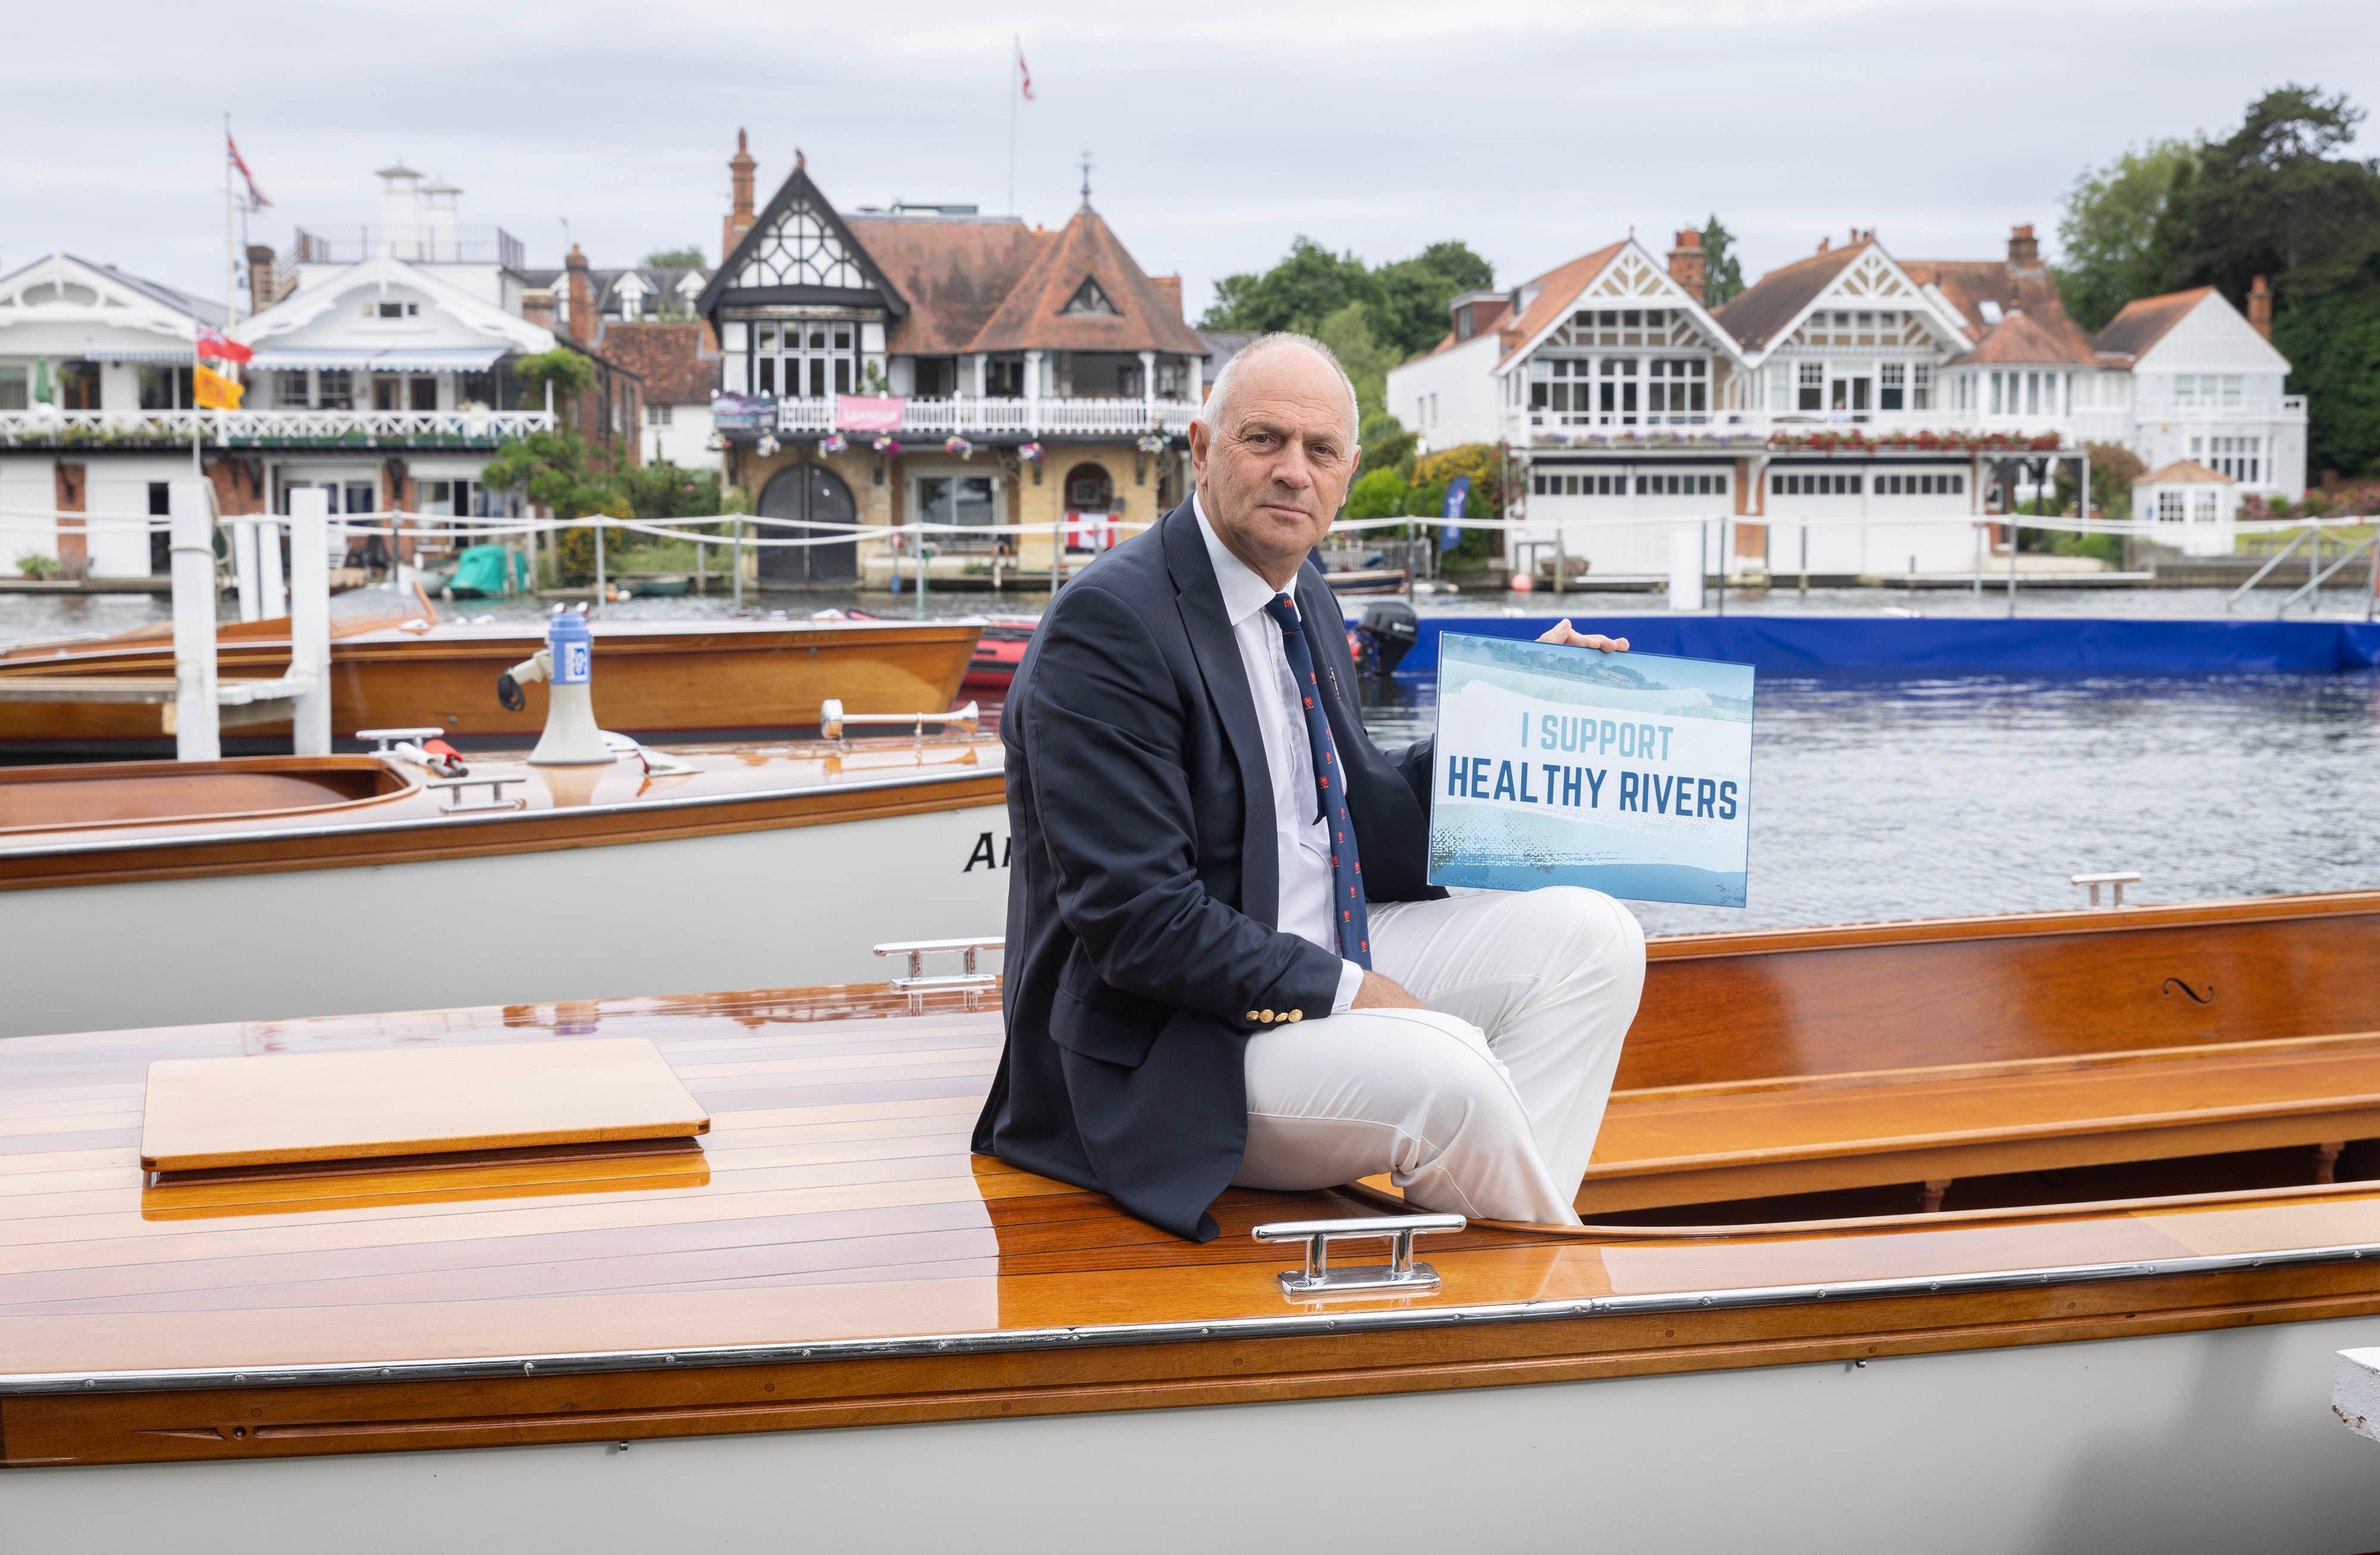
pixel 1347 869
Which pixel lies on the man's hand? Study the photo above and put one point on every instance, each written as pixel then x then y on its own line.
pixel 1376 992
pixel 1569 636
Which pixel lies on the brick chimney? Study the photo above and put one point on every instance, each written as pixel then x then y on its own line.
pixel 260 277
pixel 739 220
pixel 2024 252
pixel 582 320
pixel 1170 288
pixel 2260 307
pixel 537 306
pixel 1686 264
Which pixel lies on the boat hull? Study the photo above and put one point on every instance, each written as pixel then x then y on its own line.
pixel 677 683
pixel 2220 1439
pixel 783 905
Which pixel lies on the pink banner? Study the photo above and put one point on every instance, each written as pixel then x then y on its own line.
pixel 867 413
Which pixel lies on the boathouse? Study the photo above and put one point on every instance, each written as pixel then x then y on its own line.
pixel 1850 413
pixel 929 363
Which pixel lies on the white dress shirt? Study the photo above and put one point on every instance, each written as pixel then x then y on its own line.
pixel 1303 839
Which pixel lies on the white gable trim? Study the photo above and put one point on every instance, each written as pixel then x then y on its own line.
pixel 2225 320
pixel 311 304
pixel 1631 277
pixel 1874 280
pixel 113 306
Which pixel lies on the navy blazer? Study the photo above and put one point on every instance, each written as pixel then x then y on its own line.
pixel 1144 884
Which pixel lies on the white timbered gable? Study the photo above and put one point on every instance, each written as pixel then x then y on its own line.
pixel 1873 306
pixel 801 247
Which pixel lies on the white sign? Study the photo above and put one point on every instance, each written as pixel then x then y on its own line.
pixel 1628 772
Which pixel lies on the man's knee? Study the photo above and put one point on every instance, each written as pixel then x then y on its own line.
pixel 1592 930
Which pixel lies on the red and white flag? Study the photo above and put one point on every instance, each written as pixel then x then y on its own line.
pixel 256 200
pixel 222 348
pixel 1023 75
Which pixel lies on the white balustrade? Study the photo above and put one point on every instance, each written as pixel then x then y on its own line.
pixel 969 415
pixel 235 428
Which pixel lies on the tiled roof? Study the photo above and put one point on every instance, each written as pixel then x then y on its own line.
pixel 1222 344
pixel 955 270
pixel 1029 318
pixel 1556 289
pixel 1491 314
pixel 1756 315
pixel 2025 337
pixel 2143 323
pixel 671 358
pixel 2184 472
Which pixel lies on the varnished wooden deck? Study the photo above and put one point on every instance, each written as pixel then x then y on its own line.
pixel 835 1201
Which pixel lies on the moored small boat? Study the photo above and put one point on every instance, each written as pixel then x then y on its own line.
pixel 264 887
pixel 678 680
pixel 2059 1368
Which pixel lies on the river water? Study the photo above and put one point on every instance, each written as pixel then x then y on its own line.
pixel 1880 798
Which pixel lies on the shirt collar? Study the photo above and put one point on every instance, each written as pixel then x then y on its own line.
pixel 1244 592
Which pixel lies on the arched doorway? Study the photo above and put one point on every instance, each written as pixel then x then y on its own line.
pixel 806 494
pixel 1089 488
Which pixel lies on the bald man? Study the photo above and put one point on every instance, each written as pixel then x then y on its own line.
pixel 1225 963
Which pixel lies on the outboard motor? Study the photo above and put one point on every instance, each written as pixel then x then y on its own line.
pixel 571 738
pixel 1390 629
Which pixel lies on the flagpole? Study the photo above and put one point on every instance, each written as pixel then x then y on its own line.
pixel 1015 64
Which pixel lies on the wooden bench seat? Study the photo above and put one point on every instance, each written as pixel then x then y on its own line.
pixel 1756 1138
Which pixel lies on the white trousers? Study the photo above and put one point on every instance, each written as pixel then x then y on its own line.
pixel 1487 1102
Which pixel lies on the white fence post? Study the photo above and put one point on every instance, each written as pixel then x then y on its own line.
pixel 310 619
pixel 197 736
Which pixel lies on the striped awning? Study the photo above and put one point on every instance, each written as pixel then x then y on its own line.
pixel 147 356
pixel 429 358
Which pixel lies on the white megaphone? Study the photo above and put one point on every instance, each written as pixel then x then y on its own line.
pixel 571 738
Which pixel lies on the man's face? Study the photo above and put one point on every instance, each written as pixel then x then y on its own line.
pixel 1273 475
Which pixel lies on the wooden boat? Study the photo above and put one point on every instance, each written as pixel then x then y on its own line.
pixel 2114 1334
pixel 999 651
pixel 262 887
pixel 654 680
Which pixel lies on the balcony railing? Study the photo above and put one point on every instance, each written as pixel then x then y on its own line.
pixel 1546 429
pixel 244 428
pixel 353 245
pixel 968 415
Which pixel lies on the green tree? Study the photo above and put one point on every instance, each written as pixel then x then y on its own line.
pixel 688 258
pixel 1387 445
pixel 2270 200
pixel 1298 293
pixel 1404 300
pixel 1378 493
pixel 2107 235
pixel 1348 331
pixel 1410 309
pixel 1722 271
pixel 2333 344
pixel 569 373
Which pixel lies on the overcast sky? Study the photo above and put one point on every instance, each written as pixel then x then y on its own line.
pixel 1532 130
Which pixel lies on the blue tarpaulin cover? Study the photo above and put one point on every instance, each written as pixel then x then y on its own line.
pixel 2068 645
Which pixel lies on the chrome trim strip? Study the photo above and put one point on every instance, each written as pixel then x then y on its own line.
pixel 1289 1325
pixel 635 807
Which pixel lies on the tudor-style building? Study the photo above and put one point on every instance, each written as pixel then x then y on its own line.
pixel 1832 404
pixel 1065 373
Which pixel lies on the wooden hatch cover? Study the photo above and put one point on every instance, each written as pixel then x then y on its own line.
pixel 212 1113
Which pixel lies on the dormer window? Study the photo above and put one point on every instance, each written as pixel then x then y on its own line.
pixel 1989 309
pixel 1090 301
pixel 1462 322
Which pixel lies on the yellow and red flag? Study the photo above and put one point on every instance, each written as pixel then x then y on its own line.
pixel 215 392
